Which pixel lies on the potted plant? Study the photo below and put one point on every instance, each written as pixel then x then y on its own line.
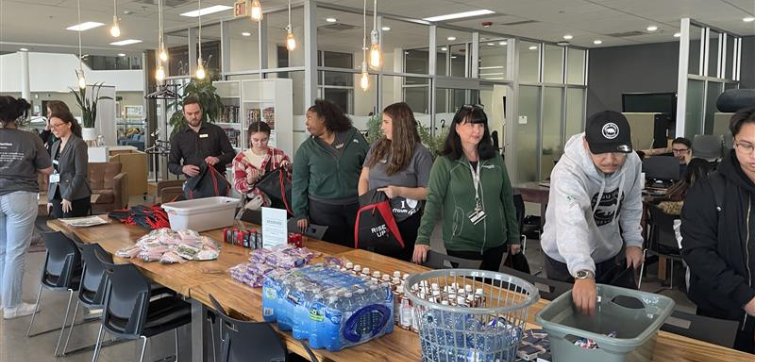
pixel 89 109
pixel 205 92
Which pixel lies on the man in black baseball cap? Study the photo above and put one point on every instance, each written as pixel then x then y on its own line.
pixel 595 209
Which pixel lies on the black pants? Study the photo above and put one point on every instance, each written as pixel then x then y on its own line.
pixel 745 338
pixel 491 258
pixel 80 207
pixel 612 271
pixel 339 219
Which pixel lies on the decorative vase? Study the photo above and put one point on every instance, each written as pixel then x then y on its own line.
pixel 89 134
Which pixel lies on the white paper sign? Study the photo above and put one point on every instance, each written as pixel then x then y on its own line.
pixel 274 226
pixel 522 119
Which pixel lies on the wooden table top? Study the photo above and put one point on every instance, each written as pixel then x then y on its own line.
pixel 200 279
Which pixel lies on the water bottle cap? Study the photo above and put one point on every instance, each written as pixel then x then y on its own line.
pixel 444 302
pixel 469 288
pixel 386 277
pixel 434 286
pixel 397 274
pixel 404 277
pixel 349 265
pixel 357 268
pixel 395 280
pixel 461 291
pixel 400 289
pixel 461 299
pixel 480 291
pixel 377 274
pixel 366 271
pixel 435 293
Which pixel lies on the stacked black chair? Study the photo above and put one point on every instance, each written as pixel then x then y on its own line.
pixel 662 241
pixel 548 289
pixel 437 260
pixel 712 330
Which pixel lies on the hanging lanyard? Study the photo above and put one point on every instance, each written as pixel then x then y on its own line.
pixel 475 177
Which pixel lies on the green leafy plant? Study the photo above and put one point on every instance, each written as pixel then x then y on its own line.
pixel 433 143
pixel 205 92
pixel 89 106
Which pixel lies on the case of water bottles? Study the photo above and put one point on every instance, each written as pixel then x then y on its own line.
pixel 462 330
pixel 330 308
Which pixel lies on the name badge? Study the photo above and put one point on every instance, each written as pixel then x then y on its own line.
pixel 477 216
pixel 203 135
pixel 54 178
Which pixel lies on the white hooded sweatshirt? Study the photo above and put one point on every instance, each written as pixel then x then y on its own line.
pixel 585 215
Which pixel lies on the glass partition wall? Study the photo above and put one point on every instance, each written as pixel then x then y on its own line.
pixel 435 68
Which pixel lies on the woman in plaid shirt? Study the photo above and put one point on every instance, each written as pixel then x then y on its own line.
pixel 252 164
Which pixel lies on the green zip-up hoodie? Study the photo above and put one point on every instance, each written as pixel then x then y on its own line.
pixel 319 174
pixel 451 191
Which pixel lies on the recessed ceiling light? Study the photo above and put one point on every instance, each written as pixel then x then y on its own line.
pixel 88 25
pixel 453 57
pixel 487 74
pixel 385 28
pixel 125 42
pixel 749 19
pixel 120 54
pixel 245 34
pixel 503 43
pixel 491 44
pixel 466 14
pixel 597 42
pixel 492 67
pixel 533 47
pixel 206 11
pixel 331 20
pixel 567 37
pixel 451 38
pixel 23 49
pixel 444 49
pixel 563 43
pixel 677 35
pixel 652 28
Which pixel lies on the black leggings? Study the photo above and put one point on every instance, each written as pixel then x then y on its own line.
pixel 340 220
pixel 491 258
pixel 80 207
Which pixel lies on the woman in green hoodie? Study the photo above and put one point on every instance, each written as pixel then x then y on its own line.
pixel 326 170
pixel 471 189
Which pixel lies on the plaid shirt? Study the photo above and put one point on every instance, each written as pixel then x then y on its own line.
pixel 241 165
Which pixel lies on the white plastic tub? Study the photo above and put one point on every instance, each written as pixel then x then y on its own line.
pixel 202 214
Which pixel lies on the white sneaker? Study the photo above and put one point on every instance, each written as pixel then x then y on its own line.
pixel 23 309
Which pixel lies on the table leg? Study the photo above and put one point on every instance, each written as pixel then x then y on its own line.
pixel 198 323
pixel 662 268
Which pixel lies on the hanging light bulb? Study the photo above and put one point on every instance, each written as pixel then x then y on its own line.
pixel 365 79
pixel 115 29
pixel 375 40
pixel 163 53
pixel 200 73
pixel 159 73
pixel 81 79
pixel 256 11
pixel 291 40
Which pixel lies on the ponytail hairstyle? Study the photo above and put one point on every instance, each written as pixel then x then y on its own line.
pixel 11 109
pixel 67 117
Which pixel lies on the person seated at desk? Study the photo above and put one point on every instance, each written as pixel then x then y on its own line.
pixel 595 207
pixel 698 169
pixel 198 141
pixel 681 147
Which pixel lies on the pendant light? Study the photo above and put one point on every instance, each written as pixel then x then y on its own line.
pixel 256 11
pixel 115 29
pixel 291 41
pixel 80 73
pixel 375 41
pixel 163 52
pixel 365 78
pixel 200 73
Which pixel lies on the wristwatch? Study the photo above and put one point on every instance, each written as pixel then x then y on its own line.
pixel 584 274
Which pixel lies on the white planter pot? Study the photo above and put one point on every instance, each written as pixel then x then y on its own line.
pixel 89 134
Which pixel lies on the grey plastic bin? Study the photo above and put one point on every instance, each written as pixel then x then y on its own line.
pixel 636 317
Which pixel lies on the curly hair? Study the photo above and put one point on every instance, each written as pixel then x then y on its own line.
pixel 404 139
pixel 12 109
pixel 332 116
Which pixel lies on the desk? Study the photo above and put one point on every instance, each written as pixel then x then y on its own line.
pixel 535 193
pixel 199 279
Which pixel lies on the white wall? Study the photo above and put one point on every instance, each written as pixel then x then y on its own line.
pixel 56 73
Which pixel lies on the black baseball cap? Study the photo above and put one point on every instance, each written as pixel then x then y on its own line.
pixel 608 131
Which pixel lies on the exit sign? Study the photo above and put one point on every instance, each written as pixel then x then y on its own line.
pixel 241 8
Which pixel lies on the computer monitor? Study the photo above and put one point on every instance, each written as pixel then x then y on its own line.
pixel 650 102
pixel 663 169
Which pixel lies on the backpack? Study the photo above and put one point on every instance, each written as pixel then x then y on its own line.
pixel 208 183
pixel 376 229
pixel 277 184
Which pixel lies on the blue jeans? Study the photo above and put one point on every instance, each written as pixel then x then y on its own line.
pixel 18 211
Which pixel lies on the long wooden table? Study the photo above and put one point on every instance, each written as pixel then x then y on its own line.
pixel 198 280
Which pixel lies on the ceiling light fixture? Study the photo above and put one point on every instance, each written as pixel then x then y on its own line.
pixel 375 41
pixel 331 20
pixel 453 57
pixel 533 47
pixel 385 28
pixel 80 73
pixel 444 49
pixel 200 73
pixel 749 19
pixel 246 33
pixel 291 40
pixel 652 28
pixel 451 38
pixel 23 49
pixel 597 42
pixel 115 29
pixel 256 11
pixel 491 44
pixel 503 43
pixel 162 53
pixel 365 77
pixel 492 67
pixel 206 11
pixel 120 54
pixel 677 35
pixel 567 37
pixel 488 74
pixel 125 42
pixel 88 25
pixel 466 14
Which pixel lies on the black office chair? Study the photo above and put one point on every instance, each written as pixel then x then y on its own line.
pixel 133 310
pixel 548 289
pixel 662 241
pixel 61 272
pixel 712 330
pixel 312 231
pixel 708 147
pixel 249 341
pixel 437 260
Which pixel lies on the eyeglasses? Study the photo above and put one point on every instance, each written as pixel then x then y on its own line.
pixel 57 125
pixel 745 147
pixel 472 106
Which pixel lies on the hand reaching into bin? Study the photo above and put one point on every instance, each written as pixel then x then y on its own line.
pixel 585 295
